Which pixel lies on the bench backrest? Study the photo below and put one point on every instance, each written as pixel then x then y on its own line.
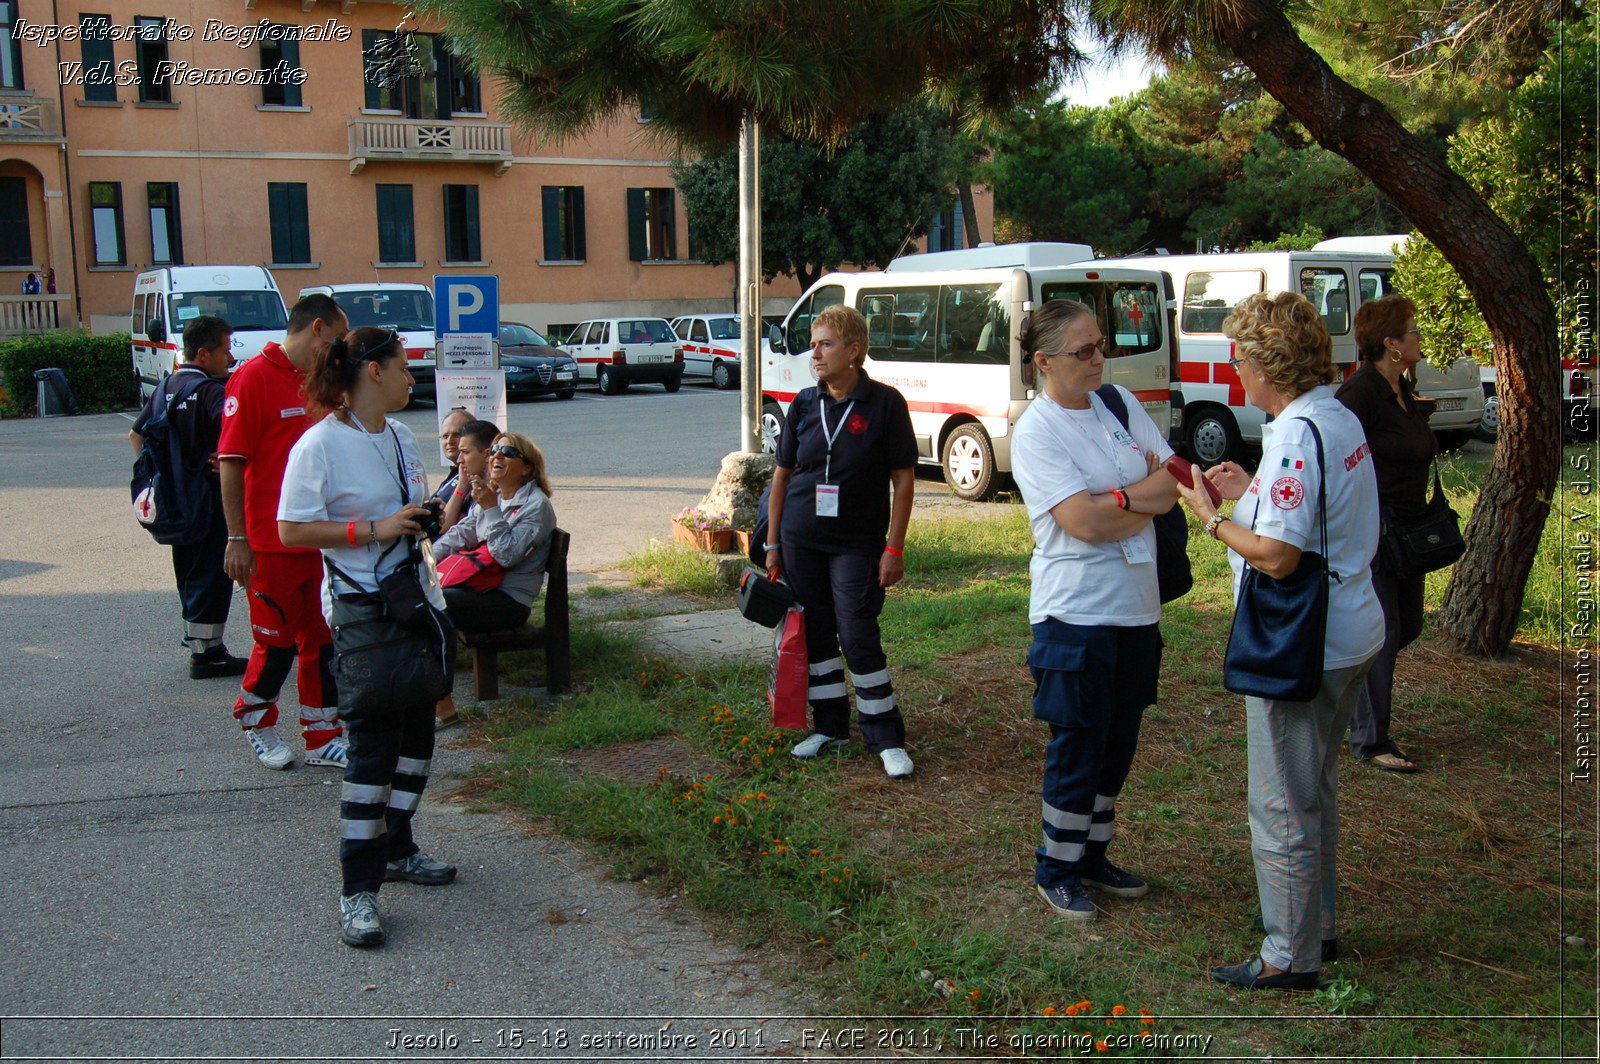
pixel 555 574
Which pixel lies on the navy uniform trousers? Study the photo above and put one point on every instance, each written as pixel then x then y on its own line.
pixel 842 602
pixel 1091 685
pixel 383 783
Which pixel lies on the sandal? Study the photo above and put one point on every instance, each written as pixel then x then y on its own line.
pixel 1394 762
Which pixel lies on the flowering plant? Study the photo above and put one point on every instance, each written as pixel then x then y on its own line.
pixel 699 520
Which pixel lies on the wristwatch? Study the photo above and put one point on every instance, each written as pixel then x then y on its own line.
pixel 1212 525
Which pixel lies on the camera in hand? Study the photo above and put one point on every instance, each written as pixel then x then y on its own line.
pixel 429 522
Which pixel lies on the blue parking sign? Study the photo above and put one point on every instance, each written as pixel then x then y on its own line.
pixel 466 305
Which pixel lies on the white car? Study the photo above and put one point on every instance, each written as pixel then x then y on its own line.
pixel 616 352
pixel 711 346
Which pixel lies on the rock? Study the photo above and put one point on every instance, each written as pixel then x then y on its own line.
pixel 740 482
pixel 1576 941
pixel 945 988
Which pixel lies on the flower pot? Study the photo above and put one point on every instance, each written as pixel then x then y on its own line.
pixel 742 538
pixel 718 542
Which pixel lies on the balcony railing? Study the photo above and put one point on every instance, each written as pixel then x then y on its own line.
pixel 429 140
pixel 25 315
pixel 26 117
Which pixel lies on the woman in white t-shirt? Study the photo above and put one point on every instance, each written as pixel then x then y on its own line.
pixel 1284 359
pixel 1092 482
pixel 353 488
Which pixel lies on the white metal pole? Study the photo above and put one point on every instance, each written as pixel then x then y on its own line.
pixel 750 325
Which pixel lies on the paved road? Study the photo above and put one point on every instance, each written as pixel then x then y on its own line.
pixel 154 869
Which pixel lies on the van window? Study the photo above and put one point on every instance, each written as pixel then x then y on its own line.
pixel 1129 311
pixel 797 337
pixel 906 318
pixel 1209 296
pixel 974 325
pixel 1328 289
pixel 241 310
pixel 1375 284
pixel 138 315
pixel 405 309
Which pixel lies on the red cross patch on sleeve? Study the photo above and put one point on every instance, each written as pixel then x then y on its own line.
pixel 1287 493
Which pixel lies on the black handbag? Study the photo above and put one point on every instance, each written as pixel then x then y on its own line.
pixel 1174 578
pixel 381 666
pixel 1275 649
pixel 1431 542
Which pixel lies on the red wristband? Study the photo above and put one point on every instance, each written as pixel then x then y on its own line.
pixel 350 533
pixel 460 494
pixel 1122 500
pixel 896 551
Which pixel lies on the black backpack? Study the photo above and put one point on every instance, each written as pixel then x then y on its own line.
pixel 173 499
pixel 1173 575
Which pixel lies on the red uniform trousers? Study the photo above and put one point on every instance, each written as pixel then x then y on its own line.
pixel 286 614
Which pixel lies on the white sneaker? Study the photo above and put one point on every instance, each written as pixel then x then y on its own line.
pixel 334 753
pixel 358 920
pixel 897 763
pixel 812 745
pixel 270 750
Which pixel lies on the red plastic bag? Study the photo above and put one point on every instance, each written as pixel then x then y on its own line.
pixel 789 686
pixel 474 569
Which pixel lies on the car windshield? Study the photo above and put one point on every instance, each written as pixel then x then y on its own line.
pixel 515 335
pixel 243 311
pixel 406 310
pixel 724 328
pixel 644 331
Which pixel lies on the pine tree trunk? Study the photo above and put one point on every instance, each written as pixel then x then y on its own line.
pixel 1484 599
pixel 969 214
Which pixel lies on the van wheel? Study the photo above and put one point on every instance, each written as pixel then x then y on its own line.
pixel 721 376
pixel 1489 426
pixel 1212 436
pixel 771 428
pixel 968 463
pixel 606 379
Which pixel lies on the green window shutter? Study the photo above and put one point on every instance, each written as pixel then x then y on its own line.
pixel 299 223
pixel 550 202
pixel 289 50
pixel 669 223
pixel 474 248
pixel 638 242
pixel 580 249
pixel 372 67
pixel 278 215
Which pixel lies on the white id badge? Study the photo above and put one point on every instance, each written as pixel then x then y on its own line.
pixel 1135 550
pixel 827 500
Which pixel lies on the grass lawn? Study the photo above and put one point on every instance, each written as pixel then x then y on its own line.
pixel 916 899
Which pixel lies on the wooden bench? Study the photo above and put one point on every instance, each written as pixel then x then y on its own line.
pixel 554 635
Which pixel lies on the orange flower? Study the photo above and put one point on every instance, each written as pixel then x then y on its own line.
pixel 717 819
pixel 1146 1035
pixel 1100 1046
pixel 1084 1006
pixel 1049 1010
pixel 1119 1010
pixel 863 953
pixel 1145 1016
pixel 975 995
pixel 815 852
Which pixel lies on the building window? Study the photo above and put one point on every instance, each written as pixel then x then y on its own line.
pixel 105 222
pixel 461 224
pixel 947 230
pixel 563 223
pixel 652 224
pixel 166 231
pixel 280 56
pixel 99 63
pixel 151 51
pixel 397 230
pixel 16 242
pixel 10 47
pixel 291 226
pixel 417 75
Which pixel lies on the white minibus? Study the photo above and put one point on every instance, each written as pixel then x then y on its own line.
pixel 947 339
pixel 167 299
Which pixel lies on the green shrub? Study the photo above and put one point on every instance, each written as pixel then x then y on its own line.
pixel 98 368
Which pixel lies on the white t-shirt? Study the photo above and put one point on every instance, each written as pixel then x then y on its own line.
pixel 1057 453
pixel 1282 502
pixel 338 472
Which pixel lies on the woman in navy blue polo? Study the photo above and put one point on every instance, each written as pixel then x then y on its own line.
pixel 839 540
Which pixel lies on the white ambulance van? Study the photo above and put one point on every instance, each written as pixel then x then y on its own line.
pixel 1216 420
pixel 167 299
pixel 945 335
pixel 405 308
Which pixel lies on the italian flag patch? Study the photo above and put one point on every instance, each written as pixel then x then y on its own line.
pixel 1296 464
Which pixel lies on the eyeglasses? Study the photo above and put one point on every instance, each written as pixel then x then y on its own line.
pixel 1235 363
pixel 505 450
pixel 1084 354
pixel 1412 332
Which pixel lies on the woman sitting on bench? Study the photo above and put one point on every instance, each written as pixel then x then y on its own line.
pixel 492 563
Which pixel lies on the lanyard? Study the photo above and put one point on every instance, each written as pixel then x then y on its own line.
pixel 1108 448
pixel 822 416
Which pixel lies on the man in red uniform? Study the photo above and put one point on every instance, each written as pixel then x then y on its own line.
pixel 262 417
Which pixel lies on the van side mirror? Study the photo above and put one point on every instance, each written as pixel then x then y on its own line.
pixel 156 331
pixel 778 346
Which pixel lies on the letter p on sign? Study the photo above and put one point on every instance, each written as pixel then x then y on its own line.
pixel 466 305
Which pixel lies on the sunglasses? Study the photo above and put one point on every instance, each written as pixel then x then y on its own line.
pixel 1084 354
pixel 372 349
pixel 505 450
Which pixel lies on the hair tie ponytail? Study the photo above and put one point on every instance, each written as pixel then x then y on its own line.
pixel 338 351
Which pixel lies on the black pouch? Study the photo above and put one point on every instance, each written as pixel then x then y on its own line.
pixel 381 666
pixel 404 597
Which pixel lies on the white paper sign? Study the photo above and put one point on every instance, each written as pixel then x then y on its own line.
pixel 467 351
pixel 480 392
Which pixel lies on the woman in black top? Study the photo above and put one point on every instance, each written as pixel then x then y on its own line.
pixel 840 542
pixel 1380 395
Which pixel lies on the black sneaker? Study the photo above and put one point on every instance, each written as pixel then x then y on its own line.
pixel 1113 880
pixel 214 663
pixel 1069 899
pixel 420 868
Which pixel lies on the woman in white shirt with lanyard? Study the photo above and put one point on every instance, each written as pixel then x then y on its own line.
pixel 1285 362
pixel 353 488
pixel 1091 486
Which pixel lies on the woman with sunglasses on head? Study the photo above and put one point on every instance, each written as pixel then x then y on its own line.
pixel 1092 482
pixel 353 488
pixel 1395 420
pixel 492 563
